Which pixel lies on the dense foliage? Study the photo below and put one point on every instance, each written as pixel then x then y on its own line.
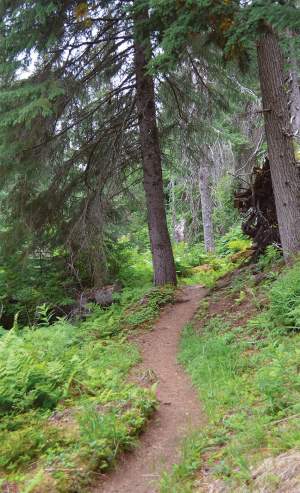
pixel 65 403
pixel 129 135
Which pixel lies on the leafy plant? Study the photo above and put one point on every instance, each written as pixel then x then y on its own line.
pixel 271 256
pixel 248 380
pixel 77 374
pixel 233 241
pixel 284 297
pixel 44 314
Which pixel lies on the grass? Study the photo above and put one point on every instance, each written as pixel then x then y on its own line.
pixel 181 479
pixel 248 381
pixel 66 406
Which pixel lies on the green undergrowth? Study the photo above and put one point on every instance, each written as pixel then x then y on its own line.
pixel 195 266
pixel 66 406
pixel 26 282
pixel 213 269
pixel 249 384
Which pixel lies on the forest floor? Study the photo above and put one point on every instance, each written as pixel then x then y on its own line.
pixel 179 409
pixel 185 392
pixel 242 435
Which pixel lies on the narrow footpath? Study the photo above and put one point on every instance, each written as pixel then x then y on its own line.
pixel 179 407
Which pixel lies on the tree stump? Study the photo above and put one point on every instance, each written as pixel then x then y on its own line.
pixel 257 205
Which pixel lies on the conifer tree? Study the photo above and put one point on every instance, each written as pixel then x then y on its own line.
pixel 69 124
pixel 235 27
pixel 284 173
pixel 163 261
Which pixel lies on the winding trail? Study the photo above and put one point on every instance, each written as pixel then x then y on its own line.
pixel 179 408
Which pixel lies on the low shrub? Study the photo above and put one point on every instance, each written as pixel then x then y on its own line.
pixel 232 242
pixel 65 402
pixel 248 381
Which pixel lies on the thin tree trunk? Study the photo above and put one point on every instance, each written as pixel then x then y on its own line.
pixel 206 207
pixel 247 156
pixel 294 99
pixel 162 254
pixel 285 175
pixel 294 92
pixel 173 208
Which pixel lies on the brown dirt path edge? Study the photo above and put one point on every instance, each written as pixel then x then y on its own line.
pixel 179 409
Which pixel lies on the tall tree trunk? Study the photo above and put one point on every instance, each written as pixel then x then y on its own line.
pixel 284 173
pixel 294 101
pixel 206 207
pixel 162 254
pixel 294 92
pixel 254 134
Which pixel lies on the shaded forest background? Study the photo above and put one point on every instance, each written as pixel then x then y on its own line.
pixel 74 79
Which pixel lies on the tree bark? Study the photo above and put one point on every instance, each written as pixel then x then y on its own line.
pixel 162 254
pixel 294 92
pixel 206 207
pixel 178 225
pixel 284 173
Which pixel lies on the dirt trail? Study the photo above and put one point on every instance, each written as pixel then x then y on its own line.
pixel 179 407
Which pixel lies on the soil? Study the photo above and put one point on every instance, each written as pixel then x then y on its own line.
pixel 179 407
